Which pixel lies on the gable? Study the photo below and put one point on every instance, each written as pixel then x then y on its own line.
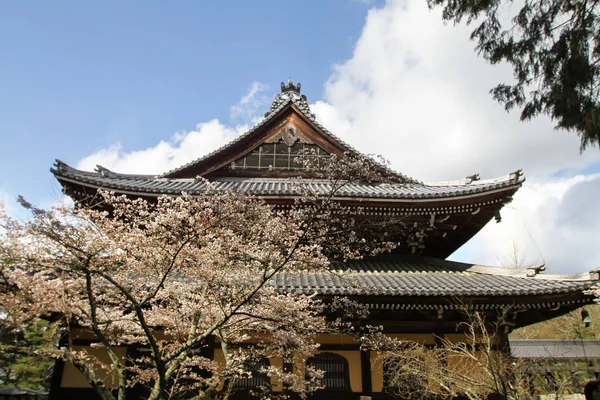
pixel 268 150
pixel 280 152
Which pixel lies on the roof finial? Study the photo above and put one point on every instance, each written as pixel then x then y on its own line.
pixel 289 92
pixel 290 87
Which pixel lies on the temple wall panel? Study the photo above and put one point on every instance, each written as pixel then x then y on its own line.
pixel 72 378
pixel 219 357
pixel 376 371
pixel 494 339
pixel 473 366
pixel 276 383
pixel 325 339
pixel 277 362
pixel 422 338
pixel 376 357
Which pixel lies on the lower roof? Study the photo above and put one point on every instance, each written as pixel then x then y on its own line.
pixel 401 277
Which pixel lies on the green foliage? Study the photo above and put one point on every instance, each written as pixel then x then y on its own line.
pixel 20 361
pixel 553 47
pixel 568 326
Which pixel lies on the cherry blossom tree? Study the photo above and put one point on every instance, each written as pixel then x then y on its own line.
pixel 475 368
pixel 172 277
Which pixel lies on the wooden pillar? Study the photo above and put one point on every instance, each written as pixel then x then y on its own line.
pixel 365 367
pixel 438 336
pixel 138 391
pixel 57 373
pixel 209 350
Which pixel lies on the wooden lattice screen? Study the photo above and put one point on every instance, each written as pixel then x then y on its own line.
pixel 257 379
pixel 337 375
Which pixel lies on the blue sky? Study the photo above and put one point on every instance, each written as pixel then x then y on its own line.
pixel 144 86
pixel 77 76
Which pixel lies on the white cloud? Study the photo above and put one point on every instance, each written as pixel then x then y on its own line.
pixel 415 92
pixel 180 149
pixel 183 147
pixel 10 205
pixel 553 222
pixel 250 104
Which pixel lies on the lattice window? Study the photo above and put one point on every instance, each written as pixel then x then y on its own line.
pixel 257 379
pixel 278 156
pixel 337 375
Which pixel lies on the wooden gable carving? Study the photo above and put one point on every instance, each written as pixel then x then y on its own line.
pixel 289 134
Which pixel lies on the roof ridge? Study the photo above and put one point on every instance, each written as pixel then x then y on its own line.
pixel 60 167
pixel 111 174
pixel 516 176
pixel 531 272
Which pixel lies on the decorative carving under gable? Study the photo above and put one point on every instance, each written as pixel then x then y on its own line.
pixel 290 134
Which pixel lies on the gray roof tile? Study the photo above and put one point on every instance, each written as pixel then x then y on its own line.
pixel 151 184
pixel 408 188
pixel 422 276
pixel 555 348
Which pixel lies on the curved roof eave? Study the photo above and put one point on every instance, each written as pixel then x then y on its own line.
pixel 151 185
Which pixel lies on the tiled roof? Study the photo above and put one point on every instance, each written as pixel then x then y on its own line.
pixel 105 179
pixel 423 276
pixel 555 348
pixel 402 188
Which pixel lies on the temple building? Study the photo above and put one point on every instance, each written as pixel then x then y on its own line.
pixel 414 292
